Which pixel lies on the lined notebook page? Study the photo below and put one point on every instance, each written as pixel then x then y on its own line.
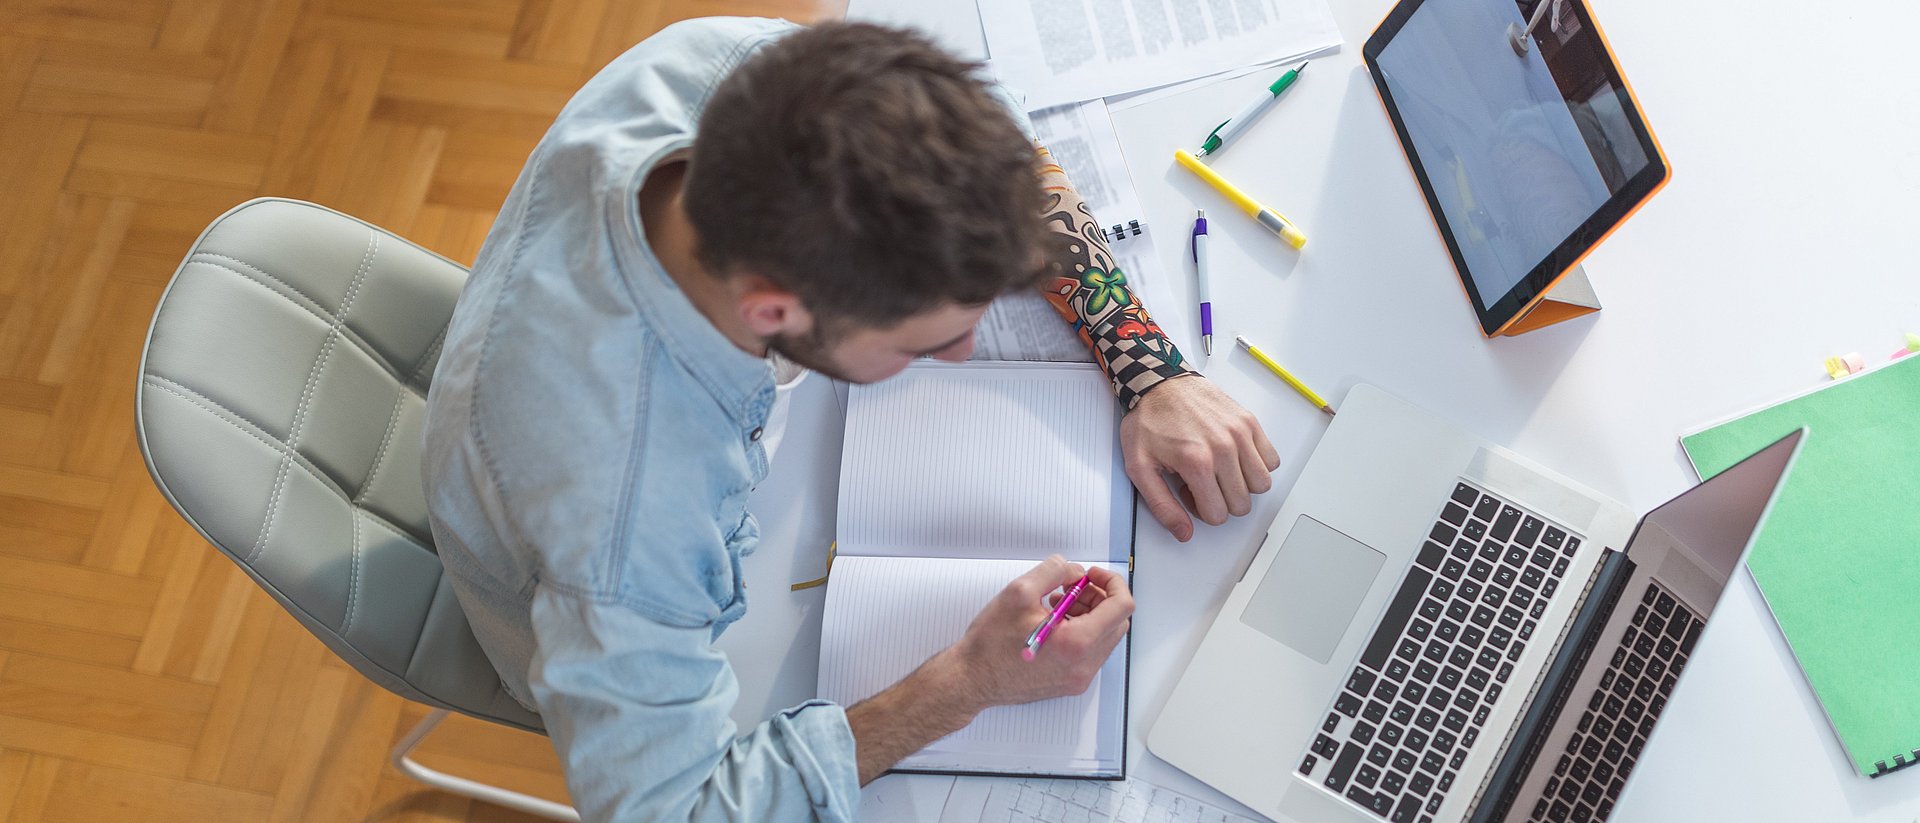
pixel 886 615
pixel 991 460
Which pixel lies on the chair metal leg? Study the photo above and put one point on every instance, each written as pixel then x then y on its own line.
pixel 403 760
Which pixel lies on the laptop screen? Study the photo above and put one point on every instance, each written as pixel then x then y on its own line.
pixel 1627 646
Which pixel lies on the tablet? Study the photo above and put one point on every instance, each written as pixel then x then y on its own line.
pixel 1528 156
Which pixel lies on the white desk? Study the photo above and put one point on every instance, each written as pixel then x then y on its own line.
pixel 1770 112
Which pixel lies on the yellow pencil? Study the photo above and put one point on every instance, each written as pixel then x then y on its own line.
pixel 1284 375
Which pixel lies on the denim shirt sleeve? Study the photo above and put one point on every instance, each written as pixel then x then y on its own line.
pixel 638 711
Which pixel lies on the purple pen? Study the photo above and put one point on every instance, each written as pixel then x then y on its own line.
pixel 1200 275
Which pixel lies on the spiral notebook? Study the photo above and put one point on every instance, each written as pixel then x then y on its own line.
pixel 1837 559
pixel 955 479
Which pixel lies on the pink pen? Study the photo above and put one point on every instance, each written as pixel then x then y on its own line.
pixel 1045 630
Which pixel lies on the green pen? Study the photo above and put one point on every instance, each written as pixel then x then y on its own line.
pixel 1239 122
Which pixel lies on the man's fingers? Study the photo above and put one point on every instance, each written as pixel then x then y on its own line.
pixel 1210 501
pixel 1049 574
pixel 1268 454
pixel 1232 478
pixel 1153 488
pixel 1252 464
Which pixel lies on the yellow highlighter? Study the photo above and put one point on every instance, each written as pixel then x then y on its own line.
pixel 1268 217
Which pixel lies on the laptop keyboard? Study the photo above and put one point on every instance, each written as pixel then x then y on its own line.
pixel 1620 714
pixel 1414 704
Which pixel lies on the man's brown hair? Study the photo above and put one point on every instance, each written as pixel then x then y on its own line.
pixel 867 171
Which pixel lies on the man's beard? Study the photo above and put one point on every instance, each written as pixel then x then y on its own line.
pixel 810 352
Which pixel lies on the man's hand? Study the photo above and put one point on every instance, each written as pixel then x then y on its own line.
pixel 985 668
pixel 1190 428
pixel 1073 654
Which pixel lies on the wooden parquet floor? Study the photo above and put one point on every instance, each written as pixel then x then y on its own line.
pixel 142 676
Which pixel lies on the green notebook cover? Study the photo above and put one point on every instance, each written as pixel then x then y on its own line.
pixel 1839 558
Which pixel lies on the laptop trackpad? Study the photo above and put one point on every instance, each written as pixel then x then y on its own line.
pixel 1311 591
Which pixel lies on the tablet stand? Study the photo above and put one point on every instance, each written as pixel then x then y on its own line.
pixel 1571 296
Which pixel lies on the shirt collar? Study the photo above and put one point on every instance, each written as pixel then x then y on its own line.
pixel 742 383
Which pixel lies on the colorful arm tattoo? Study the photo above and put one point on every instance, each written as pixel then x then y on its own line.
pixel 1089 291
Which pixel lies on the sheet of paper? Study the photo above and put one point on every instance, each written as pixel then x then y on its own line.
pixel 1126 101
pixel 886 615
pixel 984 460
pixel 1066 51
pixel 1034 800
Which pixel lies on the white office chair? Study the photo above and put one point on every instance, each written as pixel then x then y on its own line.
pixel 282 393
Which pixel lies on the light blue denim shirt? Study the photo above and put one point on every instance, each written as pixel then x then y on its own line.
pixel 591 442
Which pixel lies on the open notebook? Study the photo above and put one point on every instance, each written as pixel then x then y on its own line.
pixel 955 479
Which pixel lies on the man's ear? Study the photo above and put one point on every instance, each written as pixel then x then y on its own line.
pixel 766 309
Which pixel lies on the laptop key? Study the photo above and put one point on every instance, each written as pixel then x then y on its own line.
pixel 1455 721
pixel 1504 526
pixel 1416 741
pixel 1450 677
pixel 1532 577
pixel 1393 782
pixel 1362 733
pixel 1360 682
pixel 1427 719
pixel 1430 555
pixel 1432 763
pixel 1343 767
pixel 1360 796
pixel 1465 495
pixel 1454 514
pixel 1663 603
pixel 1505 576
pixel 1374 711
pixel 1405 761
pixel 1487 508
pixel 1396 617
pixel 1559 567
pixel 1431 609
pixel 1474 530
pixel 1443 533
pixel 1425 671
pixel 1447 630
pixel 1407 811
pixel 1443 741
pixel 1677 627
pixel 1529 531
pixel 1386 691
pixel 1367 776
pixel 1347 704
pixel 1452 569
pixel 1478 678
pixel 1554 537
pixel 1390 734
pixel 1419 783
pixel 1693 636
pixel 1414 692
pixel 1397 670
pixel 1446 781
pixel 1402 713
pixel 1306 766
pixel 1332 722
pixel 1483 617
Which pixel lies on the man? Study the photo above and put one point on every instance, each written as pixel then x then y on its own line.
pixel 853 200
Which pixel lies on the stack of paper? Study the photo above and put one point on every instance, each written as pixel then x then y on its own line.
pixel 1066 51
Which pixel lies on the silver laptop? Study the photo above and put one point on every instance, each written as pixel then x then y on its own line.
pixel 1437 629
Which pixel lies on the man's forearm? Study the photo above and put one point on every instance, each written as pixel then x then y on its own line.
pixel 1090 291
pixel 929 704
